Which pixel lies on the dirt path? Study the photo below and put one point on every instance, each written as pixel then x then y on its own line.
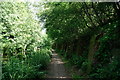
pixel 56 68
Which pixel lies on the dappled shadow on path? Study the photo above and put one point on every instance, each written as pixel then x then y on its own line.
pixel 56 68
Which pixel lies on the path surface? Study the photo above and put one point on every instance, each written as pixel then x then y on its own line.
pixel 56 68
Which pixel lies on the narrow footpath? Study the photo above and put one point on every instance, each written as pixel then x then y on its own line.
pixel 56 68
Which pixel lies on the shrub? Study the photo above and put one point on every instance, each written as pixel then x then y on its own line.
pixel 16 69
pixel 76 60
pixel 40 59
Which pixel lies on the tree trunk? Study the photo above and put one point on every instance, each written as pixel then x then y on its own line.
pixel 91 53
pixel 78 50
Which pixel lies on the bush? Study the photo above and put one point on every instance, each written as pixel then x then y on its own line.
pixel 21 37
pixel 107 57
pixel 16 69
pixel 40 59
pixel 77 60
pixel 31 67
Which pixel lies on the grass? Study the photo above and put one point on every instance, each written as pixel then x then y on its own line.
pixel 70 67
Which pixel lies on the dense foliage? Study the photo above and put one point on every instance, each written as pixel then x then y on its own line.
pixel 88 34
pixel 26 52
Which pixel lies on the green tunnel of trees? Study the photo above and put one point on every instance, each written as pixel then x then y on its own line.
pixel 87 34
